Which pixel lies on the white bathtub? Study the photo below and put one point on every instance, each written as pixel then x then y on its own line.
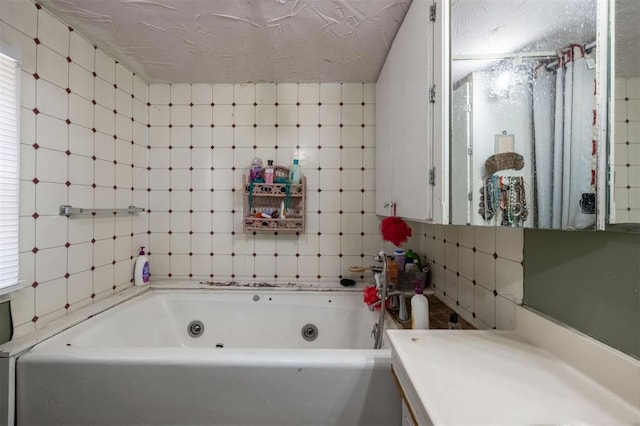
pixel 137 364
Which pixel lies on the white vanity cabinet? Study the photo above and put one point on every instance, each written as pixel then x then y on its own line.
pixel 411 120
pixel 540 373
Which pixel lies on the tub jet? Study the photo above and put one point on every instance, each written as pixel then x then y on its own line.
pixel 309 332
pixel 195 328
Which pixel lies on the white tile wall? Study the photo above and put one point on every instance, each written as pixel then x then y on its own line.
pixel 81 144
pixel 202 140
pixel 477 271
pixel 627 149
pixel 90 128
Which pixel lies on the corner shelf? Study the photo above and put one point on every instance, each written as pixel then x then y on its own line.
pixel 267 198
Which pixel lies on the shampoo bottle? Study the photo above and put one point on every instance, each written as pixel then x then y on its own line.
pixel 141 270
pixel 294 172
pixel 419 309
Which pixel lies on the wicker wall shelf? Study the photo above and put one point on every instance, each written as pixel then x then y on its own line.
pixel 262 198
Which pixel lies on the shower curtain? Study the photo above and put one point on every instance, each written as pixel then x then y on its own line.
pixel 563 114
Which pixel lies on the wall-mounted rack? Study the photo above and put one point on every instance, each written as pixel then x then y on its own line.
pixel 262 197
pixel 66 210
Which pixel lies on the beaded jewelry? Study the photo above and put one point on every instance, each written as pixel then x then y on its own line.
pixel 505 194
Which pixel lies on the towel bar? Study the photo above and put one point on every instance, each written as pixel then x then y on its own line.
pixel 66 210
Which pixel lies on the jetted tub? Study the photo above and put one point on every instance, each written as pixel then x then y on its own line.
pixel 214 357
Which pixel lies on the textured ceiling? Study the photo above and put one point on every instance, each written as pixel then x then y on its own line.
pixel 197 41
pixel 224 41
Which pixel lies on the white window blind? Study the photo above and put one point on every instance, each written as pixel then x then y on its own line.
pixel 9 173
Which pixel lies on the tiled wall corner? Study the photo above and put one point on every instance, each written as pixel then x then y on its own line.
pixel 477 271
pixel 203 138
pixel 83 142
pixel 627 150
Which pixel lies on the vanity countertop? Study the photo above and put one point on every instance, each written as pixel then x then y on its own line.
pixel 491 377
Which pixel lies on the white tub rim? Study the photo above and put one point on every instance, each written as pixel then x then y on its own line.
pixel 17 346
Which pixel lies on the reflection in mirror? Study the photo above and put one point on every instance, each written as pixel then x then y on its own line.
pixel 625 152
pixel 523 102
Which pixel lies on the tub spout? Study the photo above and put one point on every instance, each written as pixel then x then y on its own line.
pixel 374 304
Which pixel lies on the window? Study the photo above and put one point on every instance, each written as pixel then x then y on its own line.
pixel 9 174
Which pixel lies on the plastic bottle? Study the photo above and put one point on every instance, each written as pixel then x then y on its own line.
pixel 412 257
pixel 141 270
pixel 410 266
pixel 392 271
pixel 268 173
pixel 255 172
pixel 398 255
pixel 453 322
pixel 419 309
pixel 294 172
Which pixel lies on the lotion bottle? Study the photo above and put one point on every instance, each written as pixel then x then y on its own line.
pixel 141 270
pixel 419 309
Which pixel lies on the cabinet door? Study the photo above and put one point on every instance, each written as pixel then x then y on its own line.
pixel 412 116
pixel 383 163
pixel 441 130
pixel 405 131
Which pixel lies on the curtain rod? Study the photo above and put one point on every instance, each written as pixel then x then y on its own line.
pixel 488 56
pixel 523 55
pixel 587 47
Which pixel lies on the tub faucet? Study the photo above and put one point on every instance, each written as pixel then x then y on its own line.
pixel 381 279
pixel 385 291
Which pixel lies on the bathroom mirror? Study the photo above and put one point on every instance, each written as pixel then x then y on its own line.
pixel 524 140
pixel 624 120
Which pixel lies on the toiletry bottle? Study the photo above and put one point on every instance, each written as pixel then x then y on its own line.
pixel 410 266
pixel 268 173
pixel 392 271
pixel 453 322
pixel 294 172
pixel 255 173
pixel 419 309
pixel 141 270
pixel 412 257
pixel 398 255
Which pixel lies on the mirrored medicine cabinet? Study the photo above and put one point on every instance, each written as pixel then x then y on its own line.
pixel 528 103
